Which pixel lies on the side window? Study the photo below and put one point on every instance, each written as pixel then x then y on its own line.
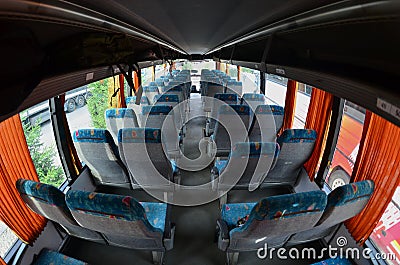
pixel 250 80
pixel 275 89
pixel 147 74
pixel 386 235
pixel 232 71
pixel 39 135
pixel 91 114
pixel 347 145
pixel 7 239
pixel 302 103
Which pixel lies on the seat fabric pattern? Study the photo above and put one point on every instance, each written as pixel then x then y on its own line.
pixel 49 257
pixel 117 207
pixel 273 219
pixel 227 98
pixel 297 136
pixel 233 212
pixel 120 118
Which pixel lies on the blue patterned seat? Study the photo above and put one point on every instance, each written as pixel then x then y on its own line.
pixel 343 203
pixel 98 150
pixel 233 86
pixel 270 221
pixel 49 202
pixel 146 159
pixel 297 146
pixel 123 221
pixel 253 100
pixel 334 261
pixel 150 92
pixel 267 122
pixel 118 118
pixel 246 167
pixel 49 257
pixel 131 103
pixel 232 127
pixel 228 98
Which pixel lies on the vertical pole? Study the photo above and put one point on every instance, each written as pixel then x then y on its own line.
pixel 218 66
pixel 262 82
pixel 238 73
pixel 153 73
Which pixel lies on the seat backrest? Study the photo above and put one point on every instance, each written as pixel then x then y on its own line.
pixel 273 219
pixel 175 88
pixel 278 113
pixel 297 146
pixel 145 157
pixel 153 116
pixel 256 158
pixel 346 201
pixel 120 118
pixel 237 129
pixel 171 100
pixel 131 103
pixel 45 200
pixel 150 92
pixel 228 98
pixel 121 219
pixel 253 100
pixel 233 86
pixel 264 123
pixel 97 148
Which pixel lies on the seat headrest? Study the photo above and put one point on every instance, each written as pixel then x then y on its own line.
pixel 351 193
pixel 166 98
pixel 226 96
pixel 106 205
pixel 150 89
pixel 269 109
pixel 234 108
pixel 297 136
pixel 139 135
pixel 156 109
pixel 119 113
pixel 143 100
pixel 253 97
pixel 253 149
pixel 289 205
pixel 92 135
pixel 42 192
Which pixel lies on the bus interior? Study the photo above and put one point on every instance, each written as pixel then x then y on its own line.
pixel 199 132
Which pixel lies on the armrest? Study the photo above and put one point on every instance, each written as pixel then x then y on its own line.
pixel 223 235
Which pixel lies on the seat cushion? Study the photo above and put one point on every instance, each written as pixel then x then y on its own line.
pixel 231 213
pixel 220 165
pixel 156 213
pixel 48 257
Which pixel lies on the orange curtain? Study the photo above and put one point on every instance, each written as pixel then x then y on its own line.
pixel 136 81
pixel 290 105
pixel 68 138
pixel 121 98
pixel 16 163
pixel 2 262
pixel 378 160
pixel 318 118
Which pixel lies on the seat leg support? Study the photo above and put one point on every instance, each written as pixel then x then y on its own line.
pixel 158 257
pixel 232 258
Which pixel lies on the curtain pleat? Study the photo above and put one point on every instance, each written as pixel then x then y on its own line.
pixel 16 163
pixel 290 105
pixel 318 118
pixel 378 160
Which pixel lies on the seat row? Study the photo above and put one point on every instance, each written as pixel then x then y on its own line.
pixel 272 222
pixel 265 163
pixel 137 162
pixel 103 218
